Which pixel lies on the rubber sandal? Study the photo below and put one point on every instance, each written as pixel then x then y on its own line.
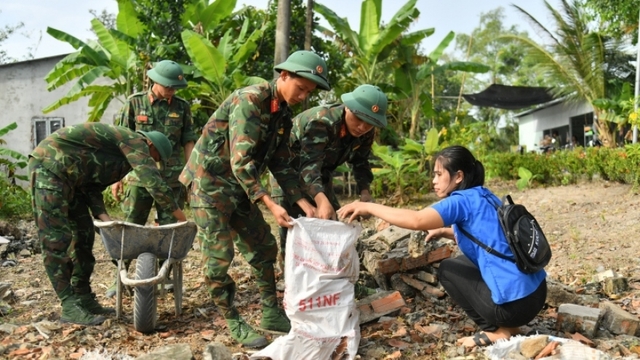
pixel 481 339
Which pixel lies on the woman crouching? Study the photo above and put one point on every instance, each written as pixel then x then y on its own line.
pixel 492 291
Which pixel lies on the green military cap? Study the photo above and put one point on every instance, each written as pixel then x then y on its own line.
pixel 368 103
pixel 161 143
pixel 309 65
pixel 169 74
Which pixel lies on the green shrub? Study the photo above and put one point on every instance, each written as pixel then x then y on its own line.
pixel 15 202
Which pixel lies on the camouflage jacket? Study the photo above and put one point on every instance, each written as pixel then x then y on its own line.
pixel 144 111
pixel 320 143
pixel 92 156
pixel 246 135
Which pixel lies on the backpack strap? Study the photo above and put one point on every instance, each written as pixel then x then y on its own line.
pixel 488 249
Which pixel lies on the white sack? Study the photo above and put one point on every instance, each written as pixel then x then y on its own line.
pixel 321 268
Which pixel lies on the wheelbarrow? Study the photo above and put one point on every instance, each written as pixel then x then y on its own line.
pixel 128 241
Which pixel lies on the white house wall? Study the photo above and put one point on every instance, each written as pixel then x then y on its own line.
pixel 24 95
pixel 532 125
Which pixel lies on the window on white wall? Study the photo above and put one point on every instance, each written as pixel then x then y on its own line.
pixel 45 126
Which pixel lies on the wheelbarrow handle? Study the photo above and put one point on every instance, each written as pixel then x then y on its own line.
pixel 162 275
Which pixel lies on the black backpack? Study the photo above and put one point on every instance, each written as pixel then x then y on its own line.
pixel 524 235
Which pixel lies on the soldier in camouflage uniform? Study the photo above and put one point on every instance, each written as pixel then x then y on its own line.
pixel 246 135
pixel 160 110
pixel 323 138
pixel 69 170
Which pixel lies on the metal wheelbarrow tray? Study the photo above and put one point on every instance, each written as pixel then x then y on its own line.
pixel 128 241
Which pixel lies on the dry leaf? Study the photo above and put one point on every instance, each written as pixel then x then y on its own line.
pixel 398 344
pixel 207 334
pixel 402 331
pixel 20 352
pixel 395 355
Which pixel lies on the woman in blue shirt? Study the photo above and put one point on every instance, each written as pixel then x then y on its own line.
pixel 497 296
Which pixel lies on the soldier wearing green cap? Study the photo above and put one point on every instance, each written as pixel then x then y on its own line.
pixel 69 170
pixel 160 110
pixel 246 136
pixel 323 138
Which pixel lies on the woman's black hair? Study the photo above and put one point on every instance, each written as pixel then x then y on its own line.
pixel 459 158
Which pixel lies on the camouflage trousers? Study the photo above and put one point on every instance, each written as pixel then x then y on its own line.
pixel 65 231
pixel 138 202
pixel 238 222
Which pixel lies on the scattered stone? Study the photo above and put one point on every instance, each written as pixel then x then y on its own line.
pixel 531 347
pixel 25 253
pixel 216 351
pixel 558 294
pixel 575 318
pixel 8 328
pixel 604 275
pixel 617 321
pixel 9 262
pixel 391 235
pixel 615 285
pixel 169 352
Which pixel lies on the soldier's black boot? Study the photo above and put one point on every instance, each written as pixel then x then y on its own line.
pixel 89 302
pixel 73 312
pixel 243 332
pixel 239 329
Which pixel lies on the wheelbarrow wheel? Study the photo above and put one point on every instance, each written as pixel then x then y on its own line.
pixel 145 301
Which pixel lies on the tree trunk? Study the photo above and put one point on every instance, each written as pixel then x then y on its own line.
pixel 308 31
pixel 308 35
pixel 283 26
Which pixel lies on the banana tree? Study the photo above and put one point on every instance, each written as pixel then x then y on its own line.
pixel 396 169
pixel 375 42
pixel 11 160
pixel 217 69
pixel 111 57
pixel 415 80
pixel 120 55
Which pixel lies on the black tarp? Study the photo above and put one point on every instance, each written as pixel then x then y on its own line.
pixel 509 97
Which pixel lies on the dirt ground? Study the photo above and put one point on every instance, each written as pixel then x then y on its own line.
pixel 592 227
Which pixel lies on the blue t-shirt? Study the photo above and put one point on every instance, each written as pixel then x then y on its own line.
pixel 471 210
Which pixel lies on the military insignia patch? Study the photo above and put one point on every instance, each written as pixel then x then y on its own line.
pixel 319 69
pixel 375 108
pixel 180 77
pixel 281 131
pixel 174 115
pixel 142 118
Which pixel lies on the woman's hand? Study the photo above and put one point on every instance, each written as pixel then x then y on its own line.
pixel 444 232
pixel 354 210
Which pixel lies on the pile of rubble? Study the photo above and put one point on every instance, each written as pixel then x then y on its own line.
pixel 600 315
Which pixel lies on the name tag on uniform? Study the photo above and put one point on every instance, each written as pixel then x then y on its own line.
pixel 142 118
pixel 174 115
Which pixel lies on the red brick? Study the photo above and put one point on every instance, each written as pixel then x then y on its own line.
pixel 410 263
pixel 412 282
pixel 439 254
pixel 389 303
pixel 389 266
